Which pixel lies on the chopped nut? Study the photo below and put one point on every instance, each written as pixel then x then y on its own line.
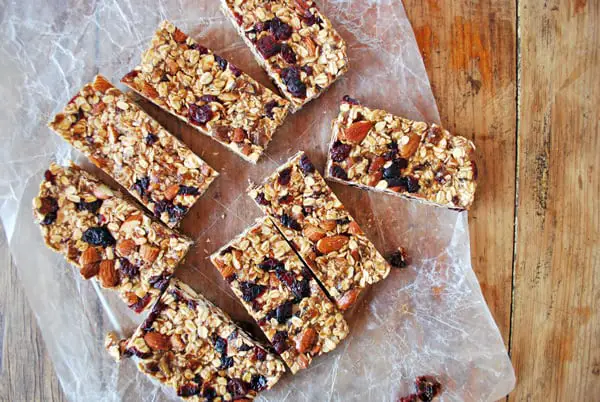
pixel 157 341
pixel 89 256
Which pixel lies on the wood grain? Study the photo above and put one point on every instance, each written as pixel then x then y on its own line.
pixel 556 324
pixel 469 50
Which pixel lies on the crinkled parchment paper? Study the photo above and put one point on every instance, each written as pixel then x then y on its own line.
pixel 429 318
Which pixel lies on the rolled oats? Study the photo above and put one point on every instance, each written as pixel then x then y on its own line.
pixel 203 89
pixel 291 39
pixel 321 230
pixel 192 346
pixel 281 294
pixel 85 221
pixel 130 146
pixel 375 150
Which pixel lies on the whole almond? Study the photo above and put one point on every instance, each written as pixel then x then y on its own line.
pixel 332 243
pixel 313 233
pixel 125 247
pixel 348 299
pixel 156 341
pixel 149 91
pixel 328 225
pixel 149 253
pixel 89 270
pixel 89 256
pixel 354 229
pixel 108 274
pixel 238 135
pixel 357 131
pixel 377 164
pixel 306 340
pixel 227 271
pixel 407 150
pixel 100 84
pixel 374 178
pixel 171 191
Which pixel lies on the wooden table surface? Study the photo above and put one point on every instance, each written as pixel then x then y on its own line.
pixel 522 79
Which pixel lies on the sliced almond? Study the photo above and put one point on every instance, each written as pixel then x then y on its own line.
pixel 125 247
pixel 108 274
pixel 354 229
pixel 89 256
pixel 313 233
pixel 156 341
pixel 407 150
pixel 357 131
pixel 332 243
pixel 89 270
pixel 306 340
pixel 348 299
pixel 171 192
pixel 149 253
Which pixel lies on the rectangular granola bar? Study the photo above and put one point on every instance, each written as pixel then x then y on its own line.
pixel 106 237
pixel 130 146
pixel 192 346
pixel 321 230
pixel 203 89
pixel 294 42
pixel 375 150
pixel 281 294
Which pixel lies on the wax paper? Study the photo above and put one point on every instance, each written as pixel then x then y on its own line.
pixel 427 319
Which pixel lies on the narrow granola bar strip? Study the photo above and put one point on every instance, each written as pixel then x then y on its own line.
pixel 192 346
pixel 281 294
pixel 321 230
pixel 106 237
pixel 130 146
pixel 203 89
pixel 294 42
pixel 375 150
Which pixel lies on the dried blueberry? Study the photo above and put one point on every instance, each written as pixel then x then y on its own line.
pixel 395 169
pixel 268 46
pixel 260 353
pixel 141 186
pixel 338 172
pixel 306 165
pixel 151 139
pixel 301 289
pixel 288 54
pixel 234 70
pixel 340 151
pixel 427 388
pixel 200 114
pixel 98 236
pixel 93 206
pixel 221 62
pixel 49 218
pixel 258 382
pixel 127 268
pixel 279 341
pixel 270 264
pixel 189 389
pixel 209 98
pixel 350 100
pixel 290 222
pixel 237 388
pixel 244 347
pixel 251 291
pixel 209 393
pixel 188 190
pixel 284 176
pixel 291 78
pixel 226 362
pixel 269 109
pixel 280 29
pixel 284 312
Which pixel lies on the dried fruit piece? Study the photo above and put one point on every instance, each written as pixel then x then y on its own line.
pixel 291 78
pixel 348 299
pixel 340 151
pixel 107 274
pixel 279 341
pixel 200 114
pixel 338 172
pixel 427 387
pixel 398 258
pixel 306 165
pixel 288 54
pixel 98 236
pixel 306 340
pixel 268 46
pixel 157 341
pixel 332 243
pixel 189 389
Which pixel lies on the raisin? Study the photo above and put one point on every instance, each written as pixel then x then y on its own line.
pixel 268 46
pixel 258 382
pixel 301 289
pixel 188 190
pixel 288 54
pixel 151 139
pixel 339 172
pixel 49 218
pixel 412 185
pixel 251 291
pixel 48 176
pixel 284 176
pixel 260 353
pixel 290 222
pixel 395 169
pixel 393 151
pixel 397 259
pixel 200 114
pixel 269 109
pixel 141 186
pixel 209 393
pixel 159 281
pixel 279 341
pixel 93 206
pixel 306 165
pixel 176 212
pixel 201 49
pixel 226 362
pixel 209 98
pixel 284 312
pixel 98 236
pixel 128 268
pixel 280 29
pixel 198 379
pixel 427 387
pixel 189 389
pixel 221 62
pixel 291 78
pixel 234 70
pixel 350 100
pixel 340 151
pixel 237 388
pixel 270 264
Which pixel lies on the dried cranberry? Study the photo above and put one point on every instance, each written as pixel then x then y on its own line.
pixel 49 218
pixel 410 398
pixel 280 29
pixel 251 291
pixel 284 312
pixel 147 324
pixel 226 362
pixel 301 289
pixel 48 176
pixel 288 54
pixel 284 176
pixel 221 62
pixel 49 205
pixel 151 139
pixel 258 382
pixel 189 389
pixel 350 100
pixel 98 236
pixel 138 353
pixel 141 186
pixel 339 172
pixel 209 98
pixel 159 281
pixel 291 78
pixel 306 165
pixel 268 46
pixel 290 222
pixel 141 304
pixel 279 341
pixel 397 259
pixel 340 151
pixel 310 19
pixel 200 114
pixel 188 190
pixel 270 264
pixel 93 206
pixel 201 49
pixel 284 275
pixel 234 70
pixel 128 269
pixel 260 353
pixel 209 393
pixel 237 388
pixel 427 387
pixel 176 212
pixel 395 169
pixel 269 109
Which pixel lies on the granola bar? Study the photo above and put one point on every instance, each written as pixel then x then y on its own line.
pixel 203 89
pixel 106 237
pixel 294 42
pixel 130 146
pixel 281 294
pixel 321 230
pixel 375 150
pixel 192 346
